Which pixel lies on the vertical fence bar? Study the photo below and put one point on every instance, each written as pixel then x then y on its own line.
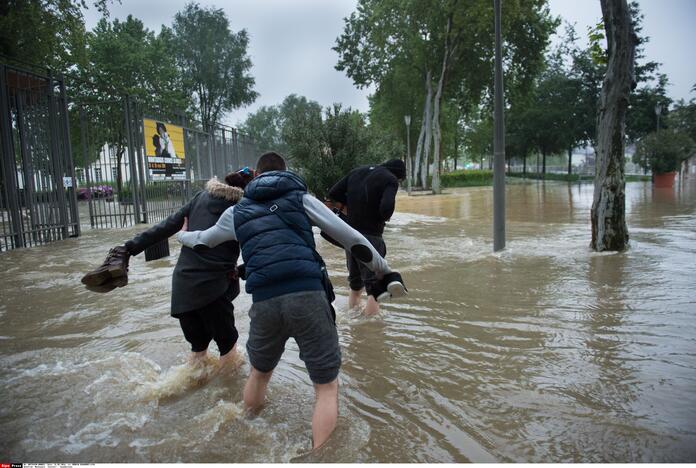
pixel 131 161
pixel 142 177
pixel 69 159
pixel 8 165
pixel 57 166
pixel 211 140
pixel 27 170
pixel 85 159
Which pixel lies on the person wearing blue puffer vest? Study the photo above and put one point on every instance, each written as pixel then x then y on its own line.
pixel 286 279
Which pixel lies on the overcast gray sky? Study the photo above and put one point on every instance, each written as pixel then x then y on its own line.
pixel 291 40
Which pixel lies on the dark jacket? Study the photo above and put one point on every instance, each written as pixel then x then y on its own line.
pixel 369 192
pixel 200 277
pixel 278 249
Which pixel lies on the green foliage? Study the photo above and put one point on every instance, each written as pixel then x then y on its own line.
pixel 467 178
pixel 663 151
pixel 265 127
pixel 49 33
pixel 123 58
pixel 549 176
pixel 683 118
pixel 270 125
pixel 325 148
pixel 641 118
pixel 393 44
pixel 570 177
pixel 598 42
pixel 214 62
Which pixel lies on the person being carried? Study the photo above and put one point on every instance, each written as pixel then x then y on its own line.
pixel 203 283
pixel 368 195
pixel 286 278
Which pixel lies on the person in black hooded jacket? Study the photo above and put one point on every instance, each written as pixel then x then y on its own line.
pixel 204 283
pixel 368 194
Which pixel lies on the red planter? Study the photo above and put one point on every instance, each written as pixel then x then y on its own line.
pixel 665 180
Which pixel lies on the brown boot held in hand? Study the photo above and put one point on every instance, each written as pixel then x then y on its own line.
pixel 109 285
pixel 115 267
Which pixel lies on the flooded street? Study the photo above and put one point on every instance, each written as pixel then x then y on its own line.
pixel 546 352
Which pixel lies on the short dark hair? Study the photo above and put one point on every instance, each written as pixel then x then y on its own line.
pixel 270 161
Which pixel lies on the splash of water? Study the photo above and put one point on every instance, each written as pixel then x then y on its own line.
pixel 179 380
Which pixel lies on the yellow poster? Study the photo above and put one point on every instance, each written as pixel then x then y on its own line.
pixel 164 149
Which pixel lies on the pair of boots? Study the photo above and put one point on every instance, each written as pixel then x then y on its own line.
pixel 391 286
pixel 113 273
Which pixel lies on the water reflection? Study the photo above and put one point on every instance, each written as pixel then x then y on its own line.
pixel 544 352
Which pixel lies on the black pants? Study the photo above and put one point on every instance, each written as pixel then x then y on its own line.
pixel 212 322
pixel 359 276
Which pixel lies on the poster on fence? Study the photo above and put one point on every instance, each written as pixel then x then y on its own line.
pixel 164 150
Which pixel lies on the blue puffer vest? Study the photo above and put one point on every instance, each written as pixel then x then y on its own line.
pixel 278 259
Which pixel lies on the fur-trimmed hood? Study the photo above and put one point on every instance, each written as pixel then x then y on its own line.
pixel 221 190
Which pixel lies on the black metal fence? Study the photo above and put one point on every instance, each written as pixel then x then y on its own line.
pixel 123 182
pixel 37 185
pixel 108 161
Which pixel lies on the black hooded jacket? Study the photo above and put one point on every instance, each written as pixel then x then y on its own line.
pixel 199 277
pixel 369 192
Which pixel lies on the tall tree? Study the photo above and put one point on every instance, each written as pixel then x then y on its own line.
pixel 325 148
pixel 609 230
pixel 214 61
pixel 269 126
pixel 448 45
pixel 125 58
pixel 46 33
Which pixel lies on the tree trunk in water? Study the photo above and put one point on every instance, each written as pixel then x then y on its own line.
pixel 609 231
pixel 427 142
pixel 543 162
pixel 419 151
pixel 437 135
pixel 570 161
pixel 524 164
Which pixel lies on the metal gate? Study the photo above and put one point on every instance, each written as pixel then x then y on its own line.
pixel 115 176
pixel 37 182
pixel 60 159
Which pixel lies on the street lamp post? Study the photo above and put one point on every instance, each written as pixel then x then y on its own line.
pixel 407 120
pixel 498 142
pixel 658 111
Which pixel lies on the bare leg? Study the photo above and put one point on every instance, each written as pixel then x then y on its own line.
pixel 354 298
pixel 255 390
pixel 232 359
pixel 372 307
pixel 325 412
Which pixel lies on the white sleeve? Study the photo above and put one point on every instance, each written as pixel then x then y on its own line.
pixel 327 221
pixel 223 231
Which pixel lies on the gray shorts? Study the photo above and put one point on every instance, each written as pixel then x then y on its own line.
pixel 304 316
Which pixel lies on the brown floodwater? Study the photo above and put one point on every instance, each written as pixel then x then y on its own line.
pixel 546 352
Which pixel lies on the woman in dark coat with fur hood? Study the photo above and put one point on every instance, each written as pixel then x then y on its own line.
pixel 204 282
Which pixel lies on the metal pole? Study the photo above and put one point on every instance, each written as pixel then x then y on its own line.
pixel 131 161
pixel 498 142
pixel 8 170
pixel 56 158
pixel 407 119
pixel 69 158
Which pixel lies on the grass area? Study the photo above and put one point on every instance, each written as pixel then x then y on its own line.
pixel 467 178
pixel 573 177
